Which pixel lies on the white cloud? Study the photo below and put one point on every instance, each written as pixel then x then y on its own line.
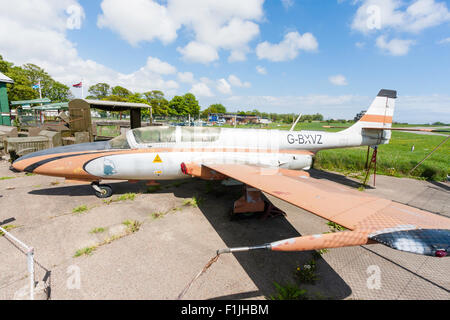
pixel 338 80
pixel 394 47
pixel 287 3
pixel 199 52
pixel 413 17
pixel 202 90
pixel 160 67
pixel 31 33
pixel 444 41
pixel 261 70
pixel 360 45
pixel 235 81
pixel 215 25
pixel 139 20
pixel 223 86
pixel 288 48
pixel 186 77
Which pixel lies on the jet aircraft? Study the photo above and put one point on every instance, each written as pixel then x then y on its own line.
pixel 272 161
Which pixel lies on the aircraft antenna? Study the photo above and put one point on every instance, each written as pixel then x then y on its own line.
pixel 295 123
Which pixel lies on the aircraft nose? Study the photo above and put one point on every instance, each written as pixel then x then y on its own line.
pixel 30 161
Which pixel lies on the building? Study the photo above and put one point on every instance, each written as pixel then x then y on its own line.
pixel 231 118
pixel 5 115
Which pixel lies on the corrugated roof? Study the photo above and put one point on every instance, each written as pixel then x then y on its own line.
pixel 5 79
pixel 117 104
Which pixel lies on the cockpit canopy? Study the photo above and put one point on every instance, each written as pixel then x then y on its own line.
pixel 146 136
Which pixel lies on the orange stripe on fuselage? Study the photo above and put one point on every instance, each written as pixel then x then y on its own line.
pixel 376 118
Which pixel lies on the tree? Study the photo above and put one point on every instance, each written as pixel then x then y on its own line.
pixel 100 90
pixel 160 105
pixel 214 108
pixel 192 106
pixel 4 65
pixel 121 91
pixel 51 89
pixel 58 92
pixel 21 88
pixel 178 106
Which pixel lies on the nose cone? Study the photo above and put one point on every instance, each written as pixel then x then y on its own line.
pixel 31 161
pixel 18 165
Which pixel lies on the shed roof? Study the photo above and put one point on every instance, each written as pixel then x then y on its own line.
pixel 110 105
pixel 5 79
pixel 52 106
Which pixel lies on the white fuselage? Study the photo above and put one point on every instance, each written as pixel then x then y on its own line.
pixel 265 148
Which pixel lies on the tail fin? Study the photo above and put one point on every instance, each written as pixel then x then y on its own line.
pixel 378 116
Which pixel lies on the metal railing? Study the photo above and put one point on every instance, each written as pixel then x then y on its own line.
pixel 30 258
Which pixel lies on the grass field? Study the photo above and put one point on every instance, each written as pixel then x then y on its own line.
pixel 394 159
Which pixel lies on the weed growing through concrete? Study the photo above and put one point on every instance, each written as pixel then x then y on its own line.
pixel 193 202
pixel 334 227
pixel 97 230
pixel 6 178
pixel 153 189
pixel 8 228
pixel 317 254
pixel 132 227
pixel 307 273
pixel 127 196
pixel 85 251
pixel 289 292
pixel 80 209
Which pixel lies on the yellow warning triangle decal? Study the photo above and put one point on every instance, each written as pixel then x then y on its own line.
pixel 157 159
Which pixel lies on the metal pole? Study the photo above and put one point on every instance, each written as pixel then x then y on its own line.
pixel 295 123
pixel 30 259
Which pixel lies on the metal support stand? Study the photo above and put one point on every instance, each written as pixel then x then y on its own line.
pixel 374 161
pixel 253 201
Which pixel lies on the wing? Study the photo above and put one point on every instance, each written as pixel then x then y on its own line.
pixel 367 217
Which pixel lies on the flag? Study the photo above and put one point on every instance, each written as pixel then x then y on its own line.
pixel 37 86
pixel 78 85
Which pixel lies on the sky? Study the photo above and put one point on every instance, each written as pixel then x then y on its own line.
pixel 285 56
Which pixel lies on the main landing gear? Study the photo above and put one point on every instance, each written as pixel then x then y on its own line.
pixel 102 190
pixel 254 202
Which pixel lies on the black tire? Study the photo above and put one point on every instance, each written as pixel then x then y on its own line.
pixel 106 191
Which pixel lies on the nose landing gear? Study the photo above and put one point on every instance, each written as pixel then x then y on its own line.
pixel 102 190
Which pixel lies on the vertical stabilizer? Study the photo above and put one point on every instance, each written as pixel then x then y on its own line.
pixel 379 115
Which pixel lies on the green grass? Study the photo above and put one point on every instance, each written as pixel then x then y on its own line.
pixel 394 159
pixel 289 292
pixel 97 230
pixel 193 202
pixel 80 209
pixel 127 196
pixel 85 251
pixel 132 225
pixel 153 189
pixel 6 178
pixel 8 227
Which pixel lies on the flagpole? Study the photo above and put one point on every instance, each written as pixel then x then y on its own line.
pixel 40 93
pixel 82 89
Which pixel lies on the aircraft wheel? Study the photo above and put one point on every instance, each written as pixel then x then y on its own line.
pixel 105 191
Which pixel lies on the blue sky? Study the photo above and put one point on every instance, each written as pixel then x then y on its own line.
pixel 296 56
